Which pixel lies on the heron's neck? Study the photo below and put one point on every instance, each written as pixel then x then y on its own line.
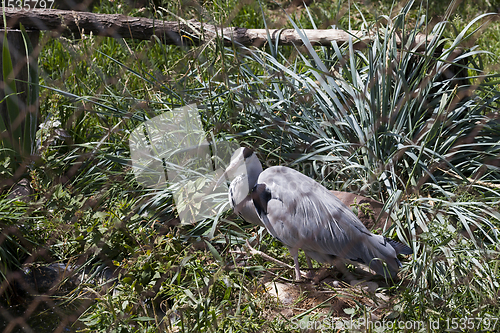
pixel 254 168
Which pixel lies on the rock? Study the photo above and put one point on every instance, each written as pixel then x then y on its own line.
pixel 332 282
pixel 20 191
pixel 287 313
pixel 285 293
pixel 383 297
pixel 43 278
pixel 369 210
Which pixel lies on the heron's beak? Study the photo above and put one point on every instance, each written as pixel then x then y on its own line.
pixel 233 165
pixel 222 178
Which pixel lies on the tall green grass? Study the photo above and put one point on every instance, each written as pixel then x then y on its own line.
pixel 389 121
pixel 19 120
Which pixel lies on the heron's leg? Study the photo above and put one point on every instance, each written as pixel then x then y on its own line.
pixel 309 263
pixel 295 254
pixel 309 274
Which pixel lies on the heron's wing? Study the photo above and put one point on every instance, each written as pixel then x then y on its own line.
pixel 303 214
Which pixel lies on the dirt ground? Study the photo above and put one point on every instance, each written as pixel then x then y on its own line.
pixel 327 301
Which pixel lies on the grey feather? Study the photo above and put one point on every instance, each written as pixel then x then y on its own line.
pixel 303 214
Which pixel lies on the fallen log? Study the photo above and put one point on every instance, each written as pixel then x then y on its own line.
pixel 170 32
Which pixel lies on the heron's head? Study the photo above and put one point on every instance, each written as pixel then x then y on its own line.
pixel 243 162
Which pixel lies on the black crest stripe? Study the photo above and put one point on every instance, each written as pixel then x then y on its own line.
pixel 247 152
pixel 260 196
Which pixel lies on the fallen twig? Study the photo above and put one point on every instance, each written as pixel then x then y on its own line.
pixel 269 258
pixel 471 180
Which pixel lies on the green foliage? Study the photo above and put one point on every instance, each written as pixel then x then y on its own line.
pixel 10 93
pixel 183 288
pixel 18 140
pixel 14 246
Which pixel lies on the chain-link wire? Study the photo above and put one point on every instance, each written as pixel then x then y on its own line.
pixel 111 148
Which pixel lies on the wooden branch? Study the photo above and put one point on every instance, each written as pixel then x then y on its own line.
pixel 254 252
pixel 188 32
pixel 472 181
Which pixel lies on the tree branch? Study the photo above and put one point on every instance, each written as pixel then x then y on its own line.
pixel 179 33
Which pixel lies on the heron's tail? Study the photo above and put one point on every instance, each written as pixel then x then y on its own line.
pixel 400 248
pixel 385 251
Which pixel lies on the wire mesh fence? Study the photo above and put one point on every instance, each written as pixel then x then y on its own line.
pixel 111 214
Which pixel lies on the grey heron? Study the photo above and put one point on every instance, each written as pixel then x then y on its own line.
pixel 303 214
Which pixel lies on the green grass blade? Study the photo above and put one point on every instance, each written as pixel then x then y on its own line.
pixel 32 94
pixel 15 134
